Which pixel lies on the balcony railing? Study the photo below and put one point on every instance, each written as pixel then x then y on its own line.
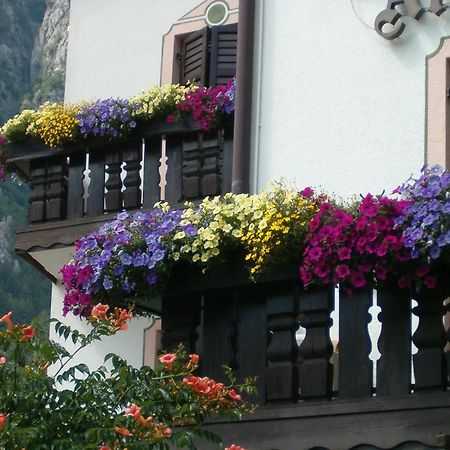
pixel 83 184
pixel 315 393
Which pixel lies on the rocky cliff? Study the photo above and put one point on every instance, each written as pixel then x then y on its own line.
pixel 48 59
pixel 33 43
pixel 19 24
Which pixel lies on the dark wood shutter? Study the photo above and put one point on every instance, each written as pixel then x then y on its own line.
pixel 194 57
pixel 222 65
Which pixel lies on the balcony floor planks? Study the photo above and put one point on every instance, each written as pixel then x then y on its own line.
pixel 342 424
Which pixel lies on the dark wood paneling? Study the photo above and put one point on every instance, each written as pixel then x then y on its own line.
pixel 75 190
pixel 174 171
pixel 152 190
pixel 223 54
pixel 219 334
pixel 96 189
pixel 56 188
pixel 252 341
pixel 355 367
pixel 429 338
pixel 394 365
pixel 132 194
pixel 227 159
pixel 315 369
pixel 36 211
pixel 194 56
pixel 382 430
pixel 180 319
pixel 282 350
pixel 113 184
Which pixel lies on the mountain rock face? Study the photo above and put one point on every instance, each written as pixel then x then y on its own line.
pixel 48 59
pixel 19 23
pixel 33 45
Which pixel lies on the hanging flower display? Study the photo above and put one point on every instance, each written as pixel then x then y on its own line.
pixel 426 220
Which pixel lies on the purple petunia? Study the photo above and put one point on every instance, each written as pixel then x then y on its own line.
pixel 122 258
pixel 426 220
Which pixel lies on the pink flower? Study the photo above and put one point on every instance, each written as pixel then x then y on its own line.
pixel 123 431
pixel 2 139
pixel 133 410
pixel 167 432
pixel 307 192
pixel 344 254
pixel 430 282
pixel 168 359
pixel 28 333
pixel 170 119
pixel 342 271
pixel 99 311
pixel 235 447
pixel 404 282
pixel 2 361
pixel 357 279
pixel 7 320
pixel 2 421
pixel 234 396
pixel 381 250
pixel 422 271
pixel 194 358
pixel 381 273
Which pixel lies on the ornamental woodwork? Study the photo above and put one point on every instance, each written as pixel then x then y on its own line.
pixel 429 338
pixel 355 366
pixel 394 365
pixel 315 369
pixel 113 183
pixel 132 193
pixel 282 351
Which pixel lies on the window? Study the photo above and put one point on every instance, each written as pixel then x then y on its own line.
pixel 208 56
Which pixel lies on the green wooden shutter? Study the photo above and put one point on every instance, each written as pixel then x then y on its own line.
pixel 223 54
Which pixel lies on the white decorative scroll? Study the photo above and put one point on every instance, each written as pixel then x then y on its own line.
pixel 389 23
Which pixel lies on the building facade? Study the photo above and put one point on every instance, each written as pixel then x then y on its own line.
pixel 349 97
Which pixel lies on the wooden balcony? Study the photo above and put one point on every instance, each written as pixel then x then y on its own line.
pixel 79 186
pixel 315 393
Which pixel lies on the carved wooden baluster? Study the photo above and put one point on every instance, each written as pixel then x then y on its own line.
pixel 394 365
pixel 227 163
pixel 113 185
pixel 447 336
pixel 180 319
pixel 192 151
pixel 429 338
pixel 315 369
pixel 56 195
pixel 75 190
pixel 355 367
pixel 132 194
pixel 36 212
pixel 96 190
pixel 282 351
pixel 174 171
pixel 211 166
pixel 152 190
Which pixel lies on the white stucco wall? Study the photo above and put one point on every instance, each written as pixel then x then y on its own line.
pixel 115 46
pixel 339 106
pixel 127 344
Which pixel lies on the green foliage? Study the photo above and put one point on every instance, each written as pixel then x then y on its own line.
pixel 119 408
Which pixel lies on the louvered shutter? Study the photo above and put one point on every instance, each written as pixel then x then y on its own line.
pixel 194 57
pixel 223 54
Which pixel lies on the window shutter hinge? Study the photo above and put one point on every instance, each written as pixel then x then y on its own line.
pixel 179 56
